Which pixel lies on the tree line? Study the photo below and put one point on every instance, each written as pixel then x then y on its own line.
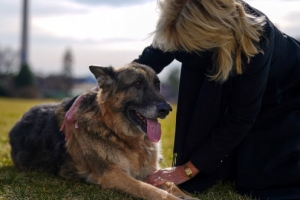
pixel 18 80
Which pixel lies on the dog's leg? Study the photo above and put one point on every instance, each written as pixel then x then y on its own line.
pixel 173 189
pixel 123 182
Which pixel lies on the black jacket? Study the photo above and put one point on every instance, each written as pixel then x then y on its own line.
pixel 249 125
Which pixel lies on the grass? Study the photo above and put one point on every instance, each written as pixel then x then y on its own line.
pixel 15 184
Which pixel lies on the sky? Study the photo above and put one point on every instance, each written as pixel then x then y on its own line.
pixel 102 32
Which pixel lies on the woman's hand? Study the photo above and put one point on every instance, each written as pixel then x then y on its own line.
pixel 172 174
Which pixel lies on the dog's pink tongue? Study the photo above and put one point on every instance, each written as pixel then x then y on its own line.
pixel 153 130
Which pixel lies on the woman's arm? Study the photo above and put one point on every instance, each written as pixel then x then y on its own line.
pixel 155 58
pixel 244 106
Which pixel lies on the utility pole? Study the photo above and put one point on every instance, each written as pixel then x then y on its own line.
pixel 24 42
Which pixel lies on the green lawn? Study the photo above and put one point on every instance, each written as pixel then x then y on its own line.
pixel 30 185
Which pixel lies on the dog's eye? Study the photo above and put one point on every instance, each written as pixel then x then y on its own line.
pixel 157 84
pixel 137 84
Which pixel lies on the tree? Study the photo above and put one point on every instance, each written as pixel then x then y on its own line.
pixel 67 71
pixel 25 77
pixel 171 86
pixel 67 63
pixel 25 83
pixel 8 61
pixel 173 80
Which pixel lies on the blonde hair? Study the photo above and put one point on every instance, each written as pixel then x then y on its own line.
pixel 221 26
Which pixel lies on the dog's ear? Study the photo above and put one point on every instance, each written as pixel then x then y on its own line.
pixel 104 75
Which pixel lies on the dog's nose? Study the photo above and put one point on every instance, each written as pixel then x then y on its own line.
pixel 163 109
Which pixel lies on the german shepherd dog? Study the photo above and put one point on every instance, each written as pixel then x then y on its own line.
pixel 115 145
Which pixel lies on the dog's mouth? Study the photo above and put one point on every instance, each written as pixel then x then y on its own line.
pixel 150 126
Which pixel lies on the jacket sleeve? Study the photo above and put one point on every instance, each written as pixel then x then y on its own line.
pixel 244 106
pixel 155 58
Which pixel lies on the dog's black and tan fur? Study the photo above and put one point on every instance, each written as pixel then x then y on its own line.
pixel 110 148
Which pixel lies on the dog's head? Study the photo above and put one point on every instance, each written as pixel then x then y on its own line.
pixel 130 99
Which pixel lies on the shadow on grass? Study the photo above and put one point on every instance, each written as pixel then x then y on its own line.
pixel 15 184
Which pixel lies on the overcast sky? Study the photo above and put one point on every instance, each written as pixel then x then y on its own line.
pixel 102 32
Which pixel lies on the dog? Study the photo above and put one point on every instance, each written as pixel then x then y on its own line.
pixel 116 144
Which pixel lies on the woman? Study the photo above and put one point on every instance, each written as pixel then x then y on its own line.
pixel 238 115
